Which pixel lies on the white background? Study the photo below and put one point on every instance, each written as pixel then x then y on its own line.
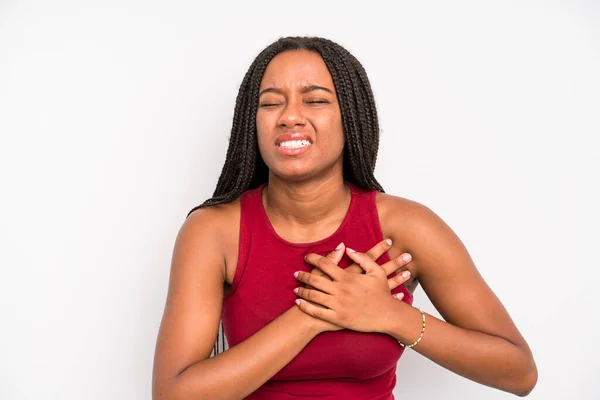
pixel 115 118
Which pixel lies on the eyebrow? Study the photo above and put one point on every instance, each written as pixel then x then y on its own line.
pixel 305 89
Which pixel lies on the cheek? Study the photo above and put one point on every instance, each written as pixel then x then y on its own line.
pixel 335 131
pixel 261 130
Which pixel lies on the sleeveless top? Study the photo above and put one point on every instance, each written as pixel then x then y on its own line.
pixel 334 365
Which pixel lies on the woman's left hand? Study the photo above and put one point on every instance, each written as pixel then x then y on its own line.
pixel 360 302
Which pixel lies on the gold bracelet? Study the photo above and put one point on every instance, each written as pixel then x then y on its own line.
pixel 422 332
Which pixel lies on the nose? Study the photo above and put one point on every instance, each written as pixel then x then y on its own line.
pixel 291 115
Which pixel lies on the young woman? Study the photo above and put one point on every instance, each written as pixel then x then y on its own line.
pixel 305 258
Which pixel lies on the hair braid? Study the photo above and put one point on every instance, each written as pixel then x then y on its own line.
pixel 357 163
pixel 367 144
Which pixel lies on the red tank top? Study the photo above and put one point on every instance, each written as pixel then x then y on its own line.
pixel 334 365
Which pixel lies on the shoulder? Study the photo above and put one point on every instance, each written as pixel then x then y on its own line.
pixel 403 213
pixel 212 219
pixel 216 227
pixel 416 229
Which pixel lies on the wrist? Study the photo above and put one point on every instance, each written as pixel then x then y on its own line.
pixel 306 323
pixel 405 323
pixel 392 314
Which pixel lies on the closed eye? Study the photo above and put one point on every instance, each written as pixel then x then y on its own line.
pixel 269 104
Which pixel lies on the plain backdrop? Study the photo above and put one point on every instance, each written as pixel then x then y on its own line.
pixel 114 122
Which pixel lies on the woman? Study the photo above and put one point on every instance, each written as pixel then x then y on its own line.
pixel 290 253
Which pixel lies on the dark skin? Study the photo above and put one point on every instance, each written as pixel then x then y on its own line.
pixel 306 200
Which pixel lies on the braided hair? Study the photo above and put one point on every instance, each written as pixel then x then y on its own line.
pixel 244 167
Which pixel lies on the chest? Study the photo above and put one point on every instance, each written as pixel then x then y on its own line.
pixel 265 291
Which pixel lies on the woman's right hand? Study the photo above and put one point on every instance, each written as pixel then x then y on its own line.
pixel 375 252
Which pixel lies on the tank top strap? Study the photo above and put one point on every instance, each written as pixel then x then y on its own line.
pixel 364 210
pixel 250 203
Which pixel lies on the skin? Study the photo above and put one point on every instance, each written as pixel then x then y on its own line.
pixel 306 200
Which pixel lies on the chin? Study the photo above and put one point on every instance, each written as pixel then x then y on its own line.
pixel 302 170
pixel 296 175
pixel 302 174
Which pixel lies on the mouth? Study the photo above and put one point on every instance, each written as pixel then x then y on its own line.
pixel 293 144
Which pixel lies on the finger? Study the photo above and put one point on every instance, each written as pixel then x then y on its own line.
pixel 398 296
pixel 396 263
pixel 364 261
pixel 318 272
pixel 316 311
pixel 399 279
pixel 336 255
pixel 317 282
pixel 325 265
pixel 314 296
pixel 374 253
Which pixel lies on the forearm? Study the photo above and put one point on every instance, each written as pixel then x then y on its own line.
pixel 242 369
pixel 487 359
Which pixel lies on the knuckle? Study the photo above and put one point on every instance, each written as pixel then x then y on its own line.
pixel 309 279
pixel 342 299
pixel 323 261
pixel 372 254
pixel 378 250
pixel 342 318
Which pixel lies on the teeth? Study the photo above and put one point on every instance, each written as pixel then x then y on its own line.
pixel 294 144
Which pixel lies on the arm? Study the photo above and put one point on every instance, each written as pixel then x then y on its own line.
pixel 479 340
pixel 182 367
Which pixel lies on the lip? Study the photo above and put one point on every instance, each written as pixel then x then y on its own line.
pixel 292 152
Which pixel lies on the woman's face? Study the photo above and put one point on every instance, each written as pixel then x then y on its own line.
pixel 298 121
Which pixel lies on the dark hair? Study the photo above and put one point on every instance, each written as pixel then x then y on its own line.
pixel 244 167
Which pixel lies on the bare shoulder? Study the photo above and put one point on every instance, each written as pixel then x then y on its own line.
pixel 403 218
pixel 220 225
pixel 414 228
pixel 401 209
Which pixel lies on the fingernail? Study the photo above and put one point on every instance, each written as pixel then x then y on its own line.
pixel 406 257
pixel 296 274
pixel 339 246
pixel 388 241
pixel 298 301
pixel 399 296
pixel 350 250
pixel 405 274
pixel 296 290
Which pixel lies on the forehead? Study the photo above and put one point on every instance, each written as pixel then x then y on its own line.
pixel 296 68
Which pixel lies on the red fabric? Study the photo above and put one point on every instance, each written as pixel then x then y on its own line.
pixel 334 365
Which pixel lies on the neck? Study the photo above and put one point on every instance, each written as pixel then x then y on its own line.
pixel 306 203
